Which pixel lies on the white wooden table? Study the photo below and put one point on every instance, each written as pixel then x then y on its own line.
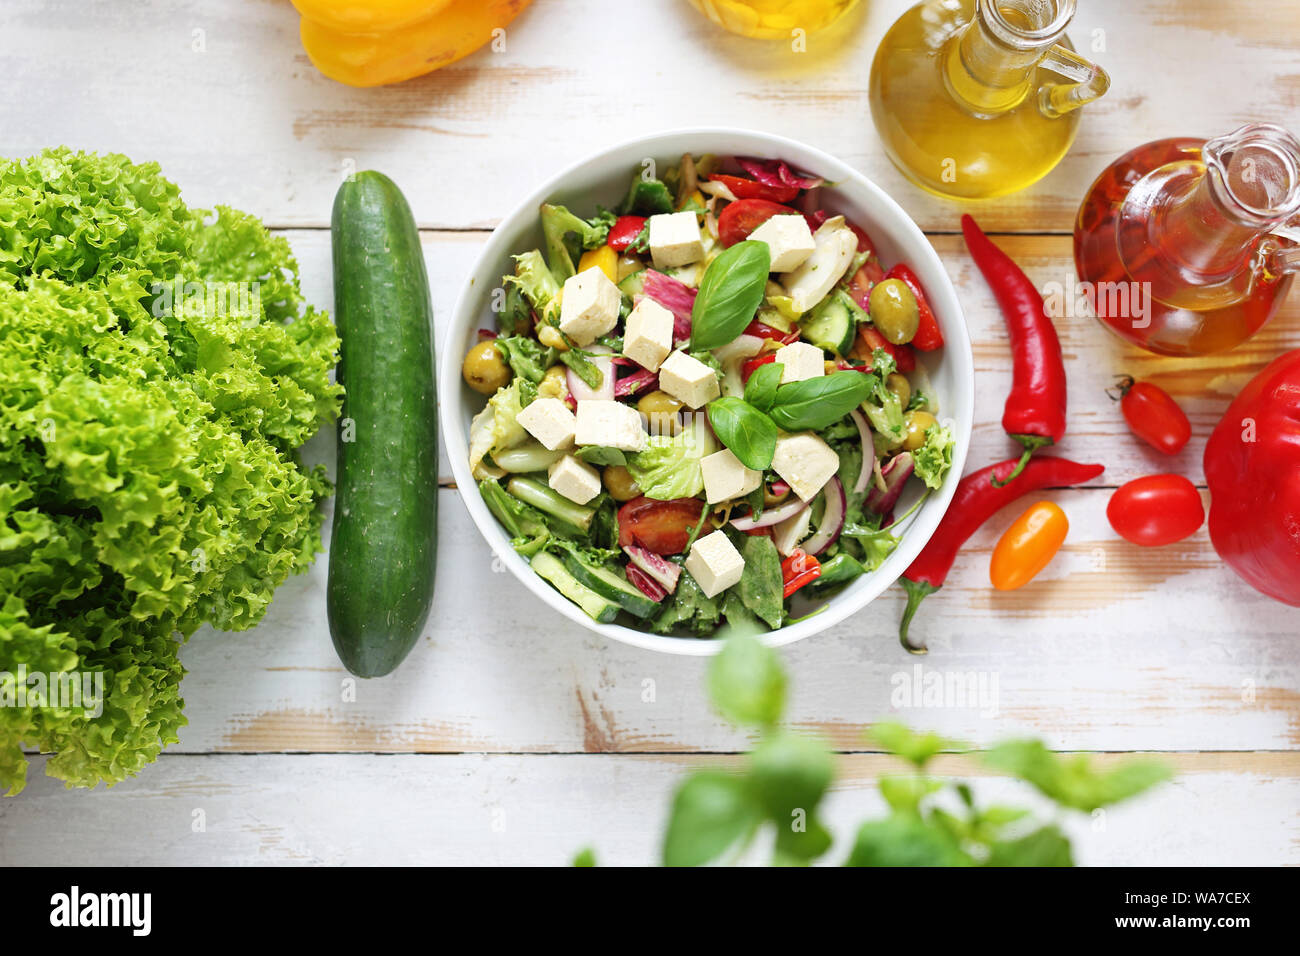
pixel 509 736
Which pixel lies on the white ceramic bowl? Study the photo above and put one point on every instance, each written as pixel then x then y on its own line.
pixel 603 179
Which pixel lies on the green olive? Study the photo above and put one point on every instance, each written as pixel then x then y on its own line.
pixel 916 423
pixel 894 311
pixel 620 484
pixel 484 369
pixel 901 387
pixel 661 409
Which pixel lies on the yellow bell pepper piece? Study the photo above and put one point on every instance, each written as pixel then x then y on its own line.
pixel 375 59
pixel 605 259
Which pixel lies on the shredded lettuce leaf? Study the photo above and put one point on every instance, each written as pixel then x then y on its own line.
pixel 934 458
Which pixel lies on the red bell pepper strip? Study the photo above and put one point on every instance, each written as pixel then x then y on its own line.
pixel 928 335
pixel 743 188
pixel 1252 465
pixel 799 569
pixel 1034 414
pixel 764 331
pixel 869 339
pixel 748 367
pixel 624 232
pixel 979 496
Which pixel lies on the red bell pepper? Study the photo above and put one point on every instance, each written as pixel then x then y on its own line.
pixel 928 335
pixel 624 232
pixel 764 331
pixel 743 188
pixel 748 366
pixel 1252 464
pixel 799 569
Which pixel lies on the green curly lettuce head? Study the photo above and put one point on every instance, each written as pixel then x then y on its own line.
pixel 158 371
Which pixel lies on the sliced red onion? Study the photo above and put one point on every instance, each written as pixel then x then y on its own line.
pixel 677 297
pixel 868 448
pixel 645 584
pixel 486 335
pixel 833 519
pixel 743 346
pixel 896 473
pixel 770 516
pixel 791 531
pixel 636 383
pixel 777 172
pixel 717 189
pixel 583 392
pixel 660 570
pixel 779 488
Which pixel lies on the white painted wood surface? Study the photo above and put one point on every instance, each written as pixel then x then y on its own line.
pixel 505 708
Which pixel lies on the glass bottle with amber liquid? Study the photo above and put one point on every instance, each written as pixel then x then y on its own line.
pixel 1187 246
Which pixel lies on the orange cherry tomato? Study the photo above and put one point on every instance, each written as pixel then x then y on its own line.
pixel 1028 546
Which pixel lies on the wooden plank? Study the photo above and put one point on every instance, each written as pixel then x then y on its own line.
pixel 234 111
pixel 1113 648
pixel 525 810
pixel 1094 357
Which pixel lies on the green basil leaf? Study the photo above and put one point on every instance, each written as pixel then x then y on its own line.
pixel 712 811
pixel 760 390
pixel 745 430
pixel 746 682
pixel 818 402
pixel 730 293
pixel 591 376
pixel 601 455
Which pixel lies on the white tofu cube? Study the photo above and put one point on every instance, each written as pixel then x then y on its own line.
pixel 714 563
pixel 648 337
pixel 800 361
pixel 726 477
pixel 574 479
pixel 675 239
pixel 836 246
pixel 589 307
pixel 549 421
pixel 805 463
pixel 608 423
pixel 789 241
pixel 688 380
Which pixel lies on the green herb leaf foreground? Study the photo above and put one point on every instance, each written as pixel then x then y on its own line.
pixel 745 430
pixel 816 403
pixel 730 293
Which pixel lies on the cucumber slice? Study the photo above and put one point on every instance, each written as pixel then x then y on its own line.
pixel 631 285
pixel 610 586
pixel 548 566
pixel 833 324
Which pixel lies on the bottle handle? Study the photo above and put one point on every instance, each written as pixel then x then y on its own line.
pixel 1090 82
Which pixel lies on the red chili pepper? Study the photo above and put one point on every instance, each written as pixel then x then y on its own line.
pixel 928 334
pixel 748 366
pixel 1034 414
pixel 764 331
pixel 798 569
pixel 979 496
pixel 624 232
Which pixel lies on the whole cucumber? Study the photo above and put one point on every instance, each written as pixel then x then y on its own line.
pixel 384 542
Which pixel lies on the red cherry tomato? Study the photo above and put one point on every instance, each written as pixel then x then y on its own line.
pixel 1156 510
pixel 741 218
pixel 1154 416
pixel 928 335
pixel 864 241
pixel 624 232
pixel 743 188
pixel 663 527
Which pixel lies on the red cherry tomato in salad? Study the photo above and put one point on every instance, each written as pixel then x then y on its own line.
pixel 624 232
pixel 663 527
pixel 928 335
pixel 1154 416
pixel 743 188
pixel 742 217
pixel 799 569
pixel 748 367
pixel 864 280
pixel 1156 510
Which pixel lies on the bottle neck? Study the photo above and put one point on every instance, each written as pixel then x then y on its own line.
pixel 1195 225
pixel 985 74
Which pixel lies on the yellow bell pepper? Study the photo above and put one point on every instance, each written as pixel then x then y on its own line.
pixel 373 44
pixel 605 259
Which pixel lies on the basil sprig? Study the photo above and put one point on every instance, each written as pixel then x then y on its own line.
pixel 730 293
pixel 816 403
pixel 745 430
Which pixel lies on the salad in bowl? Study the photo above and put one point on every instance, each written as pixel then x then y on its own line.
pixel 709 405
